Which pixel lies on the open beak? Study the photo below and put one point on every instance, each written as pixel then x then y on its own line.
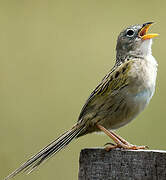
pixel 143 32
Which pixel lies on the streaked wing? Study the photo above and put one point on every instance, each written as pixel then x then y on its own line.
pixel 113 81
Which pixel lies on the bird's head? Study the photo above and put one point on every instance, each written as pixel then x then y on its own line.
pixel 135 41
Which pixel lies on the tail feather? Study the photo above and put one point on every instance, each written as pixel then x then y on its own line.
pixel 48 151
pixel 54 150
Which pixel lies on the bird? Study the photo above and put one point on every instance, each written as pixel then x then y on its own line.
pixel 122 94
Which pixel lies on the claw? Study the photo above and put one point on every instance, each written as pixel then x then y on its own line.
pixel 109 144
pixel 108 148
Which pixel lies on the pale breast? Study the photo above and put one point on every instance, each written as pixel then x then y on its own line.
pixel 143 77
pixel 139 92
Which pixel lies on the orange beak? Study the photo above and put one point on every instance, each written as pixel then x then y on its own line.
pixel 143 32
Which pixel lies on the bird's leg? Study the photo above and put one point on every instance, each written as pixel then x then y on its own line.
pixel 120 138
pixel 120 142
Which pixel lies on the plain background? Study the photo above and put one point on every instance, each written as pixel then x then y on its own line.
pixel 52 55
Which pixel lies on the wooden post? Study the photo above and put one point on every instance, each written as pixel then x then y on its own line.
pixel 97 164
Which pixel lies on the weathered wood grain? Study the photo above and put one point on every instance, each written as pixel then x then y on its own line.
pixel 97 164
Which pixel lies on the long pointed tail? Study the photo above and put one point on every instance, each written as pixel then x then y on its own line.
pixel 48 151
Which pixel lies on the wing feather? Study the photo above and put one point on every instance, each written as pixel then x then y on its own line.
pixel 115 80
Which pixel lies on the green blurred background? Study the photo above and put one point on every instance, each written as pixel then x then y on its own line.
pixel 52 55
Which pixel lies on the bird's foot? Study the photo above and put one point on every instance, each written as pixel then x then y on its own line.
pixel 110 146
pixel 119 141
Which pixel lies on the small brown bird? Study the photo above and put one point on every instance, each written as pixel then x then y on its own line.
pixel 122 94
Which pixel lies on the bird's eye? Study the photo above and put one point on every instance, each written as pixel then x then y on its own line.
pixel 130 32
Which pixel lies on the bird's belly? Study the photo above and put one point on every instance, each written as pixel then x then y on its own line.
pixel 127 110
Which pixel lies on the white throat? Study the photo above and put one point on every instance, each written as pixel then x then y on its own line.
pixel 146 47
